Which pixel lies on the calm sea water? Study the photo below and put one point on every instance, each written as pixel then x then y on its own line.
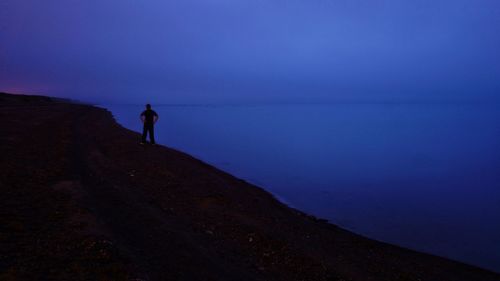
pixel 423 176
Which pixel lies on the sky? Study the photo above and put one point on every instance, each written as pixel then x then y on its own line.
pixel 238 51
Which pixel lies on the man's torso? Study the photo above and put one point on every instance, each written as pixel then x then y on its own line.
pixel 149 115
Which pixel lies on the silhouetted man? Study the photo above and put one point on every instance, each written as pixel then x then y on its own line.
pixel 148 118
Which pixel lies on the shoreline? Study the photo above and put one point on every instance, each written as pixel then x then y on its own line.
pixel 160 214
pixel 242 143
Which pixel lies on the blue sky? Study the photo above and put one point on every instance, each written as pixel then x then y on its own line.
pixel 210 51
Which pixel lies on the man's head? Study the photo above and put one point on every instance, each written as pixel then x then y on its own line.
pixel 148 106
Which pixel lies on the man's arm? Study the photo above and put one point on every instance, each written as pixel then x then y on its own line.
pixel 143 117
pixel 155 118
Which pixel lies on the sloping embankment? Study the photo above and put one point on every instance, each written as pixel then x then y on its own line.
pixel 82 200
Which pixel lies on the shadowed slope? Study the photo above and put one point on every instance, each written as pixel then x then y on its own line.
pixel 81 199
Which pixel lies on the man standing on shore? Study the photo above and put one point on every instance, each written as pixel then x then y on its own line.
pixel 148 118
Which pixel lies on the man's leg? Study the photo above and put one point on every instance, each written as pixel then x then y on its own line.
pixel 144 133
pixel 152 134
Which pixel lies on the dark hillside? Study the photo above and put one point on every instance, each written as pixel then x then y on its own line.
pixel 80 199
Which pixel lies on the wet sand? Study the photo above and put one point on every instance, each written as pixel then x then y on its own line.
pixel 81 199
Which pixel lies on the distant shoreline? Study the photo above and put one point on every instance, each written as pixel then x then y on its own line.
pixel 251 104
